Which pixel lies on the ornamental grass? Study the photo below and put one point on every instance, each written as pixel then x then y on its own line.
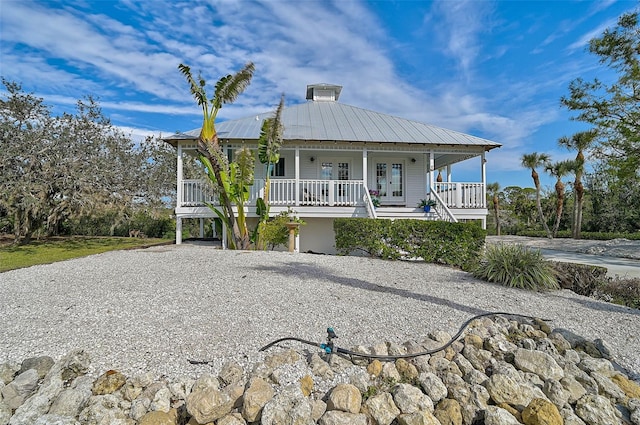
pixel 516 266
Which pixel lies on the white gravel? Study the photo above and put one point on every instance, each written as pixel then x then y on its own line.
pixel 152 309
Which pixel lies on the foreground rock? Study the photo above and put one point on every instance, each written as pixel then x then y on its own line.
pixel 502 372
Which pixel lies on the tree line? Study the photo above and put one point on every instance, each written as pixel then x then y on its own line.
pixel 605 197
pixel 68 173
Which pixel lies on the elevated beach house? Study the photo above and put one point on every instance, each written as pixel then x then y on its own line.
pixel 342 161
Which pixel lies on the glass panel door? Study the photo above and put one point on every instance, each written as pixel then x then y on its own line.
pixel 395 181
pixel 333 169
pixel 326 172
pixel 390 181
pixel 381 179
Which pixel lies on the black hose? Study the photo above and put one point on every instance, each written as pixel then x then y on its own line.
pixel 399 356
pixel 290 339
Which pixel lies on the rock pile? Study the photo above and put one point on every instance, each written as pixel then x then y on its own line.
pixel 501 373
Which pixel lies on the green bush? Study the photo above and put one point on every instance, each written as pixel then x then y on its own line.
pixel 621 291
pixel 152 227
pixel 275 231
pixel 111 223
pixel 456 244
pixel 582 279
pixel 516 266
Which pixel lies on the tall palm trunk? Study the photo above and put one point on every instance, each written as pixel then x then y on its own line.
pixel 496 211
pixel 560 189
pixel 579 189
pixel 536 181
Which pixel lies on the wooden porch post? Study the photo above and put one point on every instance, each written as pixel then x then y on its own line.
pixel 365 171
pixel 224 236
pixel 179 194
pixel 178 230
pixel 483 168
pixel 297 183
pixel 201 228
pixel 179 177
pixel 432 166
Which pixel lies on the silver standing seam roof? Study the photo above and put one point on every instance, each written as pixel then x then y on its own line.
pixel 329 120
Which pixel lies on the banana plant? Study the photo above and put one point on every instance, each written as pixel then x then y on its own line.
pixel 269 146
pixel 227 90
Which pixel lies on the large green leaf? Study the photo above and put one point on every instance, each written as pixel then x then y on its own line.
pixel 225 221
pixel 230 87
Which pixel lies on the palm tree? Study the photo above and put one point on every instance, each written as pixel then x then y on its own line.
pixel 493 189
pixel 580 141
pixel 559 170
pixel 533 161
pixel 227 90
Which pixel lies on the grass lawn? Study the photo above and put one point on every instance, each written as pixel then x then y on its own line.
pixel 58 249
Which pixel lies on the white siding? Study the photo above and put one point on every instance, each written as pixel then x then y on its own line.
pixel 318 236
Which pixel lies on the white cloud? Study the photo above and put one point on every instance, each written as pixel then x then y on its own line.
pixel 459 26
pixel 131 65
pixel 583 41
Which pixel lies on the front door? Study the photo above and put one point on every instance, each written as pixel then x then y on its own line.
pixel 334 169
pixel 390 182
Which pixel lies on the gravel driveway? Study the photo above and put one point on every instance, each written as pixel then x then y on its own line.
pixel 152 309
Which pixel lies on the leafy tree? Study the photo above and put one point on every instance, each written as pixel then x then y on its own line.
pixel 533 161
pixel 580 142
pixel 521 202
pixel 227 89
pixel 54 168
pixel 614 108
pixel 24 123
pixel 158 173
pixel 611 207
pixel 493 192
pixel 559 170
pixel 57 169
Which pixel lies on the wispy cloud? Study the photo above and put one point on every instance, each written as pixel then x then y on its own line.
pixel 129 60
pixel 584 40
pixel 459 26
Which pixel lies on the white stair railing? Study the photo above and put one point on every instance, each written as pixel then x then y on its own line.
pixel 443 212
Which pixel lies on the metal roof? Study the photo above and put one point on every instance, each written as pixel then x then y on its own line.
pixel 321 121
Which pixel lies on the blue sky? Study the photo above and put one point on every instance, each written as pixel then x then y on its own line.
pixel 494 69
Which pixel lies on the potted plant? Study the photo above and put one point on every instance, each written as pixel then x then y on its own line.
pixel 375 197
pixel 426 204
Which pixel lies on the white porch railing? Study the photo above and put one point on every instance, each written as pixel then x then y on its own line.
pixel 342 193
pixel 196 193
pixel 283 192
pixel 461 195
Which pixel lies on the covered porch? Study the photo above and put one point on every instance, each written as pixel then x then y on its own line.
pixel 330 193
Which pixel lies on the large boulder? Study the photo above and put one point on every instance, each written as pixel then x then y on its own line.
pixel 345 397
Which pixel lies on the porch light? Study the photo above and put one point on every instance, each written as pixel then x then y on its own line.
pixel 413 160
pixel 312 159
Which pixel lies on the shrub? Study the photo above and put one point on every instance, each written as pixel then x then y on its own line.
pixel 275 231
pixel 456 244
pixel 516 266
pixel 621 291
pixel 582 279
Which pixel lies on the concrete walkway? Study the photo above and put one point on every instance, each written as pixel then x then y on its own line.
pixel 621 257
pixel 622 267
